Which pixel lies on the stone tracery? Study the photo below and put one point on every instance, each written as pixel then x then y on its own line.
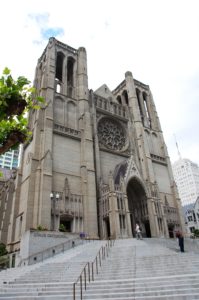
pixel 111 134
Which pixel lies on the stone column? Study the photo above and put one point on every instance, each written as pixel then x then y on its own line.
pixel 128 219
pixel 88 179
pixel 82 87
pixel 152 218
pixel 133 103
pixel 154 116
pixel 113 215
pixel 165 227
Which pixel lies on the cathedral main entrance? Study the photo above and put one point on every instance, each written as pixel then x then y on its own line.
pixel 137 202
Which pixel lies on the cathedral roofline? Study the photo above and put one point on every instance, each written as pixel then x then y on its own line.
pixel 53 40
pixel 123 83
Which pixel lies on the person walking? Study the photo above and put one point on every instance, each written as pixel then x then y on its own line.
pixel 180 240
pixel 138 232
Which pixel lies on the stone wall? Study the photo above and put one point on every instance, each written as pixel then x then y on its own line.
pixel 36 241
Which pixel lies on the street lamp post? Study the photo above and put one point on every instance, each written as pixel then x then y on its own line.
pixel 54 198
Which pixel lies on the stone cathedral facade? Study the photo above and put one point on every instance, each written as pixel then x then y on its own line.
pixel 97 162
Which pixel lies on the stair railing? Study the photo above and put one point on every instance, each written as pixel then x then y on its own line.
pixel 92 268
pixel 52 251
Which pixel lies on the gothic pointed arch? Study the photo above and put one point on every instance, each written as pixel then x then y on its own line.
pixel 70 75
pixel 59 66
pixel 137 205
pixel 126 98
pixel 119 99
pixel 138 93
pixel 146 104
pixel 132 171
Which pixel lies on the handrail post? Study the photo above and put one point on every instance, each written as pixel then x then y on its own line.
pixel 81 287
pixel 100 258
pixel 96 266
pixel 73 291
pixel 92 272
pixel 85 278
pixel 102 253
pixel 89 276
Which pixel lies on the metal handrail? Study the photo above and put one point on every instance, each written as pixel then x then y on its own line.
pixel 52 250
pixel 90 267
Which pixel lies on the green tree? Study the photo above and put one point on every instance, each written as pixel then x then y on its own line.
pixel 17 97
pixel 196 232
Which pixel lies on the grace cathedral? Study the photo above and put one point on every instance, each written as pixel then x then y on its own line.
pixel 97 162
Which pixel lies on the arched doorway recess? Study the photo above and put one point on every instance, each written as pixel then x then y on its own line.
pixel 137 202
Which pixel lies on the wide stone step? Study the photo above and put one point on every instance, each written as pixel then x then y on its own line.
pixel 168 293
pixel 132 270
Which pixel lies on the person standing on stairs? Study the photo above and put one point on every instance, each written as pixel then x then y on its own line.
pixel 180 240
pixel 138 232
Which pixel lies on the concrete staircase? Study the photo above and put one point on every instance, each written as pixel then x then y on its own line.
pixel 145 269
pixel 51 279
pixel 134 269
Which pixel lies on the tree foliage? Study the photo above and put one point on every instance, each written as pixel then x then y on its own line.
pixel 17 97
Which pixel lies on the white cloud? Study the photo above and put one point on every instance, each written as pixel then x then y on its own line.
pixel 156 40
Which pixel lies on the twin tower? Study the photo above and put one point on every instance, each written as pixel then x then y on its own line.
pixel 97 162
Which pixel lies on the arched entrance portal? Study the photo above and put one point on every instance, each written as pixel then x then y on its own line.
pixel 66 222
pixel 137 202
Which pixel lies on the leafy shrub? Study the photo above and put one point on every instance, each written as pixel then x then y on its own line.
pixel 41 228
pixel 196 232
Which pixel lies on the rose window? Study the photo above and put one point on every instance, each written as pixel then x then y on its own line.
pixel 111 134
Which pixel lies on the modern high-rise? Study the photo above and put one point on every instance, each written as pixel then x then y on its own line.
pixel 186 174
pixel 10 159
pixel 97 162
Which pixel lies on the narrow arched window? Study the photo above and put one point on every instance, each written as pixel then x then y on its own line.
pixel 58 88
pixel 59 66
pixel 125 97
pixel 119 100
pixel 70 66
pixel 139 104
pixel 145 105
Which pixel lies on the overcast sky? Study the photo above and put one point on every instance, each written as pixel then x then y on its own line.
pixel 157 40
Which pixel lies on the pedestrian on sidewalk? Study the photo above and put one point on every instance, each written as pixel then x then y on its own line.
pixel 180 237
pixel 138 232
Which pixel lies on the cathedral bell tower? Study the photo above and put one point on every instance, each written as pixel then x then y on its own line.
pixel 57 184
